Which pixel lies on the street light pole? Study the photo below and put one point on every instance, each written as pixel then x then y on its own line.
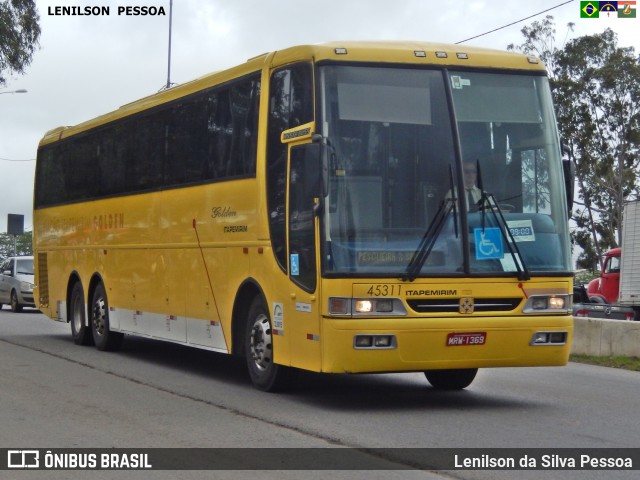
pixel 169 59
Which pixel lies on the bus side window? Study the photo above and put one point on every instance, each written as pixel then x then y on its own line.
pixel 290 105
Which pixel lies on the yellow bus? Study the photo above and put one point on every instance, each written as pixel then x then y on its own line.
pixel 303 210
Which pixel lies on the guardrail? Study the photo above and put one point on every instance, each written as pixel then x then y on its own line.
pixel 594 336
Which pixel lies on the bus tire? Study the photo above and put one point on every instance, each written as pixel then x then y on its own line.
pixel 455 379
pixel 80 331
pixel 265 375
pixel 103 337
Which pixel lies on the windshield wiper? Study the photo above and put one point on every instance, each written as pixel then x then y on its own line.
pixel 447 205
pixel 488 202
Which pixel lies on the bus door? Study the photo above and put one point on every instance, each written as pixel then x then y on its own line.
pixel 303 311
pixel 295 308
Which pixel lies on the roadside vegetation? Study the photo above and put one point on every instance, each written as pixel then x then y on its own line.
pixel 627 363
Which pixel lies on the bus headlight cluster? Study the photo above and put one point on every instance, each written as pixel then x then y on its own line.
pixel 549 338
pixel 548 304
pixel 345 306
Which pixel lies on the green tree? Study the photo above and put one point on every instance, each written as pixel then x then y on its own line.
pixel 23 243
pixel 597 98
pixel 19 35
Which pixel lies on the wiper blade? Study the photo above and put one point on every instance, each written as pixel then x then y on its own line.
pixel 488 202
pixel 428 240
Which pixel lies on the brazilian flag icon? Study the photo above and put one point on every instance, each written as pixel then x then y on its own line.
pixel 589 9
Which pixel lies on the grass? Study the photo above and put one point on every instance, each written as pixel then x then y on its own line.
pixel 627 363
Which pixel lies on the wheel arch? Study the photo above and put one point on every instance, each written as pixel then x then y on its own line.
pixel 249 289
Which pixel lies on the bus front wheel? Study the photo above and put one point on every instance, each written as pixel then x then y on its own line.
pixel 455 379
pixel 265 375
pixel 103 337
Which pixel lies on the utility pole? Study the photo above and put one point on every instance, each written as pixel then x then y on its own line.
pixel 168 86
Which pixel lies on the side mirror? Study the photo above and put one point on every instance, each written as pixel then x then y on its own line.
pixel 569 170
pixel 308 162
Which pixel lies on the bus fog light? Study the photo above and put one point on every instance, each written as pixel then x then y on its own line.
pixel 374 342
pixel 558 337
pixel 363 341
pixel 549 338
pixel 541 338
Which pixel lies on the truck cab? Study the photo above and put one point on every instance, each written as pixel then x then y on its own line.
pixel 607 286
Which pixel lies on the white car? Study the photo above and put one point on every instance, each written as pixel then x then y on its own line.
pixel 16 283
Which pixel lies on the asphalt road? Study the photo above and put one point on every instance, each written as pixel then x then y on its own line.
pixel 54 394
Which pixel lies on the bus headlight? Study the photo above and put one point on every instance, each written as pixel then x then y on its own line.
pixel 352 307
pixel 548 304
pixel 363 306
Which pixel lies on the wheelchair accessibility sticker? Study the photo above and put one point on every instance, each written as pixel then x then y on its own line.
pixel 294 262
pixel 488 243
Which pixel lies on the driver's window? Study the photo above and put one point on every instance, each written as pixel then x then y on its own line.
pixel 613 265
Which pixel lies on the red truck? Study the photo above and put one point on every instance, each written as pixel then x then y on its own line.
pixel 599 298
pixel 607 285
pixel 619 282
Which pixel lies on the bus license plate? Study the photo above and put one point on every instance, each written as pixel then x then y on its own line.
pixel 464 339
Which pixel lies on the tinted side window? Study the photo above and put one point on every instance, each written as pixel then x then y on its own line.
pixel 290 105
pixel 211 135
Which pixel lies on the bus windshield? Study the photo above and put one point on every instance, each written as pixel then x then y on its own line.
pixel 493 184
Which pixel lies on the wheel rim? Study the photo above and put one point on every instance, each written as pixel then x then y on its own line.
pixel 99 316
pixel 260 342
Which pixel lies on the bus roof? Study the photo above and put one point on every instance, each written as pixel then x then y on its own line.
pixel 391 52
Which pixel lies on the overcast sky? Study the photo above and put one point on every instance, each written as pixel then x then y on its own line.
pixel 89 65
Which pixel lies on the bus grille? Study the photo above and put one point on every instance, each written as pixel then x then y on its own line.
pixel 452 305
pixel 43 280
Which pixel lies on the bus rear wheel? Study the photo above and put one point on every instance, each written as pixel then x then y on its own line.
pixel 80 331
pixel 265 375
pixel 103 337
pixel 455 379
